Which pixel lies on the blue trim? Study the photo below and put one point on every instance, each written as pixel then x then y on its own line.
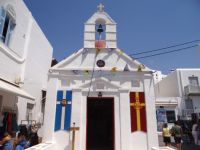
pixel 59 95
pixel 69 96
pixel 58 111
pixel 67 117
pixel 58 117
pixel 2 22
pixel 68 111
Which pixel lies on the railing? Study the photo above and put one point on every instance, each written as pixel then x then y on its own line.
pixel 192 90
pixel 186 113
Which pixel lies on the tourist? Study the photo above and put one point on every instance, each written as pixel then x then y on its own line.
pixel 198 132
pixel 21 142
pixel 166 135
pixel 177 132
pixel 33 136
pixel 6 142
pixel 194 133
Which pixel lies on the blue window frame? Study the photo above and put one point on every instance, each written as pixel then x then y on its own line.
pixel 7 25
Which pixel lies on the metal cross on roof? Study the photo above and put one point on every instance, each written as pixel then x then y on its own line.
pixel 100 7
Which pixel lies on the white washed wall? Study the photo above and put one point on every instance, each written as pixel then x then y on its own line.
pixel 38 62
pixel 33 54
pixel 124 139
pixel 168 86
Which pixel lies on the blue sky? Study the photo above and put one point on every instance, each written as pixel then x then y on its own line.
pixel 142 25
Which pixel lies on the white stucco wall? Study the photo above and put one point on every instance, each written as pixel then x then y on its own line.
pixel 124 139
pixel 174 83
pixel 37 64
pixel 168 86
pixel 12 57
pixel 27 58
pixel 7 71
pixel 22 20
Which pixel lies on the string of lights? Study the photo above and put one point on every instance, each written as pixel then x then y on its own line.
pixel 162 53
pixel 160 49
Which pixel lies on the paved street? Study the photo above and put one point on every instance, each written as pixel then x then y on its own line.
pixel 185 146
pixel 190 147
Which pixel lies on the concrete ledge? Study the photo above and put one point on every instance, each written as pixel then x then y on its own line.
pixel 162 148
pixel 43 146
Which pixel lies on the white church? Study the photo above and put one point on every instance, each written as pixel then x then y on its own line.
pixel 103 94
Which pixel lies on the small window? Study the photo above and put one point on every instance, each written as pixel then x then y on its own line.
pixel 194 81
pixel 1 100
pixel 7 25
pixel 171 118
pixel 43 102
pixel 29 112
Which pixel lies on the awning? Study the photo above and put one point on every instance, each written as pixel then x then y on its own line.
pixel 167 101
pixel 13 89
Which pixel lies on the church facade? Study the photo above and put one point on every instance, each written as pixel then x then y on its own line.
pixel 99 97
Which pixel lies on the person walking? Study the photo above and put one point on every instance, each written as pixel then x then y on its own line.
pixel 166 135
pixel 198 132
pixel 177 133
pixel 194 133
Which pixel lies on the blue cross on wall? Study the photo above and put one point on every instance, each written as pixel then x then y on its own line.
pixel 63 110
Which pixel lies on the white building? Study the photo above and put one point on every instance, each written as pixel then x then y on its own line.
pixel 158 76
pixel 106 93
pixel 25 57
pixel 178 94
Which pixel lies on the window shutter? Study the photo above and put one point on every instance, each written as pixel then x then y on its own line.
pixel 58 111
pixel 2 21
pixel 68 110
pixel 9 32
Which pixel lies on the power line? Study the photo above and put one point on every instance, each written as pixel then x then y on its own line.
pixel 180 49
pixel 144 52
pixel 92 75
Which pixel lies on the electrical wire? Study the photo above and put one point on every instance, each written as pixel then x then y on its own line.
pixel 176 50
pixel 92 75
pixel 144 52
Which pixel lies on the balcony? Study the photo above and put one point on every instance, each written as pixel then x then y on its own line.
pixel 191 90
pixel 187 113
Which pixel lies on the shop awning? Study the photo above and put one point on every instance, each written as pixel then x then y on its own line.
pixel 167 101
pixel 14 89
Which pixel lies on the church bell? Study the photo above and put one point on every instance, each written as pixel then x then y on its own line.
pixel 100 29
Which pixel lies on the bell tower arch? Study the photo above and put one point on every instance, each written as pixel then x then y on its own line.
pixel 100 30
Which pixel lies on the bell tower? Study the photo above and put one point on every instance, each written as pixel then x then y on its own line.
pixel 100 30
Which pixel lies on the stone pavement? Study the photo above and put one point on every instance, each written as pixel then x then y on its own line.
pixel 185 146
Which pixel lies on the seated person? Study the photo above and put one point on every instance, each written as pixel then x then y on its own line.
pixel 21 142
pixel 6 142
pixel 33 137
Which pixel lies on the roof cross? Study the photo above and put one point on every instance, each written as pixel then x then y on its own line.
pixel 100 7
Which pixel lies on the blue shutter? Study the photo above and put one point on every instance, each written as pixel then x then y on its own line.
pixel 68 110
pixel 9 32
pixel 2 21
pixel 58 111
